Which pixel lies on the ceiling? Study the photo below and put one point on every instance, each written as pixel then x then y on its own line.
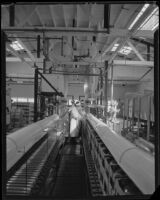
pixel 75 37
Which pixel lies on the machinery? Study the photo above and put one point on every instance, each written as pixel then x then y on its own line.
pixel 56 158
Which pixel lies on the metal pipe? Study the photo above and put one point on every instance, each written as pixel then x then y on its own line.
pixel 111 83
pixel 156 106
pixel 148 52
pixel 3 104
pixel 148 117
pixel 107 17
pixel 81 2
pixel 35 94
pixel 139 114
pixel 12 15
pixel 52 29
pixel 29 37
pixel 38 46
pixel 101 86
pixel 106 89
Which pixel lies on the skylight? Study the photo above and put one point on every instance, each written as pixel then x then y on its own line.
pixel 16 46
pixel 125 50
pixel 139 15
pixel 114 47
pixel 151 22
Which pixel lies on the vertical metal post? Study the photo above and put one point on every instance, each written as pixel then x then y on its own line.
pixel 133 111
pixel 106 89
pixel 3 106
pixel 101 86
pixel 127 112
pixel 156 107
pixel 148 52
pixel 35 95
pixel 112 83
pixel 38 46
pixel 107 17
pixel 11 15
pixel 62 46
pixel 139 113
pixel 123 115
pixel 69 118
pixel 148 117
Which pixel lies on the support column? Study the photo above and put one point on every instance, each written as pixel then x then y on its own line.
pixel 12 15
pixel 111 83
pixel 101 86
pixel 38 46
pixel 106 90
pixel 36 95
pixel 156 107
pixel 139 114
pixel 3 105
pixel 148 117
pixel 148 52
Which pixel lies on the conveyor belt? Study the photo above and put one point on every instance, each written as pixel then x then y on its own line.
pixel 22 182
pixel 71 180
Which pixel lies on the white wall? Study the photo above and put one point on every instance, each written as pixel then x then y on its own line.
pixel 76 90
pixel 21 90
pixel 19 68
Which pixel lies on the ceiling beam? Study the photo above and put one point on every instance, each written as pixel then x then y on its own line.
pixel 26 19
pixel 118 16
pixel 27 50
pixel 117 63
pixel 18 59
pixel 40 18
pixel 142 41
pixel 114 32
pixel 133 63
pixel 15 53
pixel 64 16
pixel 130 34
pixel 110 46
pixel 135 50
pixel 52 15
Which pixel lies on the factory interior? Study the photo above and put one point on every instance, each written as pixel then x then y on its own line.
pixel 80 98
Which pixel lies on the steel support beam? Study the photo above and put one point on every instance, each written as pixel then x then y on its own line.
pixel 135 50
pixel 3 106
pixel 148 52
pixel 57 93
pixel 157 108
pixel 107 17
pixel 111 83
pixel 12 15
pixel 36 95
pixel 101 86
pixel 142 41
pixel 106 89
pixel 38 46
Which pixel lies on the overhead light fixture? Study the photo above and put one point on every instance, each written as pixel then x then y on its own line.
pixel 125 50
pixel 151 21
pixel 115 47
pixel 139 15
pixel 16 46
